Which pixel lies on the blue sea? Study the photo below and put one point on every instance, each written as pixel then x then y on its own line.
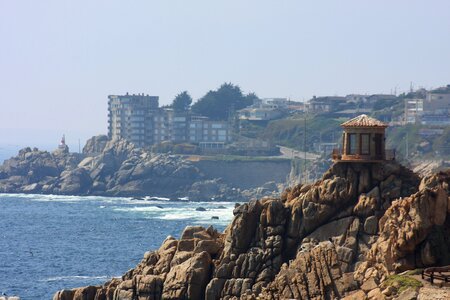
pixel 53 242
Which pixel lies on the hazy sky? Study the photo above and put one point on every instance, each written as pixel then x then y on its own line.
pixel 60 59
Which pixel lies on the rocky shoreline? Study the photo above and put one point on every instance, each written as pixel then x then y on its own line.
pixel 117 168
pixel 341 237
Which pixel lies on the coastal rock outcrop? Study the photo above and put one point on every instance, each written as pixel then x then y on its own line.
pixel 35 171
pixel 116 168
pixel 343 235
pixel 95 145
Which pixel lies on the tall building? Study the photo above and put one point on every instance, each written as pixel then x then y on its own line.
pixel 131 117
pixel 413 110
pixel 138 119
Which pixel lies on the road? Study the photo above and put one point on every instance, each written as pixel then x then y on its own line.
pixel 291 153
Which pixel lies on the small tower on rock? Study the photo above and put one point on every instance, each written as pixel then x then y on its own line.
pixel 62 147
pixel 363 140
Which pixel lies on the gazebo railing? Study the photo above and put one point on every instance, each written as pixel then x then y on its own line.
pixel 337 153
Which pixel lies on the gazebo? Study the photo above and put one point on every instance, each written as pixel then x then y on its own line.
pixel 363 140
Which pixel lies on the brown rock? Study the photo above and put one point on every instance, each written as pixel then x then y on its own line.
pixel 148 287
pixel 210 246
pixel 369 285
pixel 405 225
pixel 188 279
pixel 366 206
pixel 86 293
pixel 310 276
pixel 64 295
pixel 408 294
pixel 358 295
pixel 375 294
pixel 371 225
pixel 188 232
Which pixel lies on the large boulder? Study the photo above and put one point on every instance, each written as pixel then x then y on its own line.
pixel 95 145
pixel 74 182
pixel 188 279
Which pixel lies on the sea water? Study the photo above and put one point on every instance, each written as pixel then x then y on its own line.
pixel 49 242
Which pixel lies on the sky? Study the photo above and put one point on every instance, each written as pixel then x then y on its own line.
pixel 59 60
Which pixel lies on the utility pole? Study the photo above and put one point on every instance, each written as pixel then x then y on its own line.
pixel 79 146
pixel 304 151
pixel 407 146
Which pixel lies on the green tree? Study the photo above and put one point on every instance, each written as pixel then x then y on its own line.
pixel 219 104
pixel 182 102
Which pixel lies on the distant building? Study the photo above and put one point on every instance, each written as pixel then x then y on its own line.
pixel 265 109
pixel 437 120
pixel 131 117
pixel 430 132
pixel 437 101
pixel 326 104
pixel 356 98
pixel 260 114
pixel 413 110
pixel 203 130
pixel 372 99
pixel 280 103
pixel 140 120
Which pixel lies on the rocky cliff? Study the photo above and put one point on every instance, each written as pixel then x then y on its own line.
pixel 339 237
pixel 117 168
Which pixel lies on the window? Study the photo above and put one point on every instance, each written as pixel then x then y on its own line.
pixel 351 147
pixel 365 144
pixel 378 143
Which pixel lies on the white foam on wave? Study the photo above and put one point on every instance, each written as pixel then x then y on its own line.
pixel 184 211
pixel 147 198
pixel 69 198
pixel 149 207
pixel 142 209
pixel 200 217
pixel 58 198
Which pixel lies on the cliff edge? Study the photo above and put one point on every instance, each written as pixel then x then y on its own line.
pixel 342 236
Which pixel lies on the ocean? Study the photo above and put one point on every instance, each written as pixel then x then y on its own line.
pixel 50 242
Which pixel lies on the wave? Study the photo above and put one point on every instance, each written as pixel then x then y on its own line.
pixel 186 211
pixel 70 198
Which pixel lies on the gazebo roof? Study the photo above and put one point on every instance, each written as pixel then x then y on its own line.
pixel 364 121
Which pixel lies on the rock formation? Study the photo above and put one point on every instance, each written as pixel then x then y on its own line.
pixel 115 168
pixel 341 236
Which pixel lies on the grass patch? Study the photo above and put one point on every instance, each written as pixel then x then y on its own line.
pixel 403 282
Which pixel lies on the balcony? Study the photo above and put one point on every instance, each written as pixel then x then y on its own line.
pixel 337 155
